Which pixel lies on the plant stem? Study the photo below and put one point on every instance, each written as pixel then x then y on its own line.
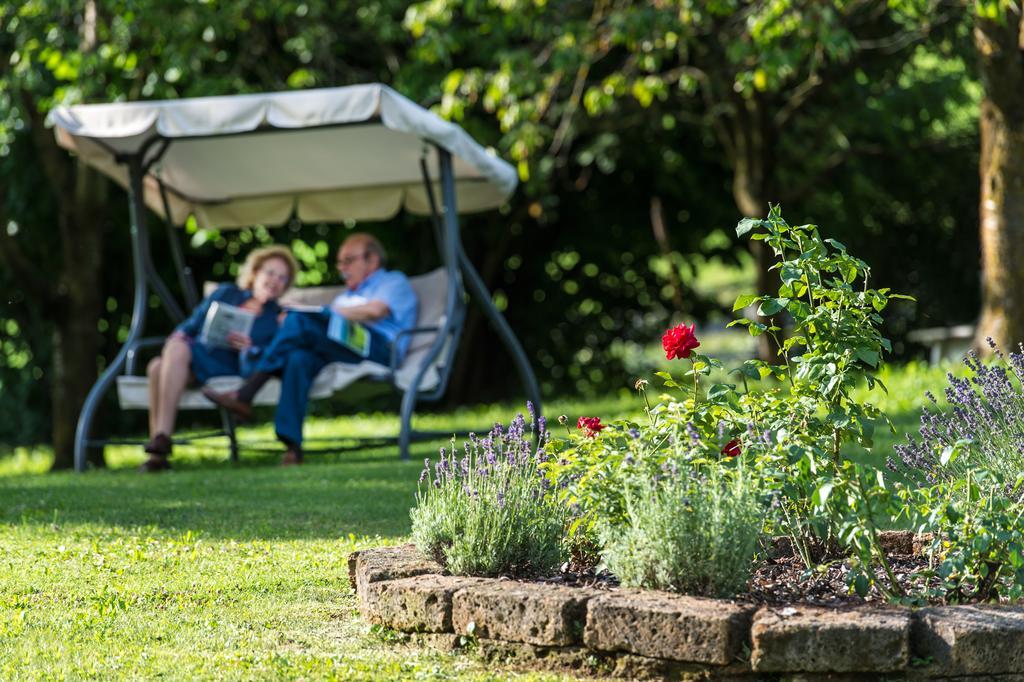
pixel 798 541
pixel 650 417
pixel 693 365
pixel 876 547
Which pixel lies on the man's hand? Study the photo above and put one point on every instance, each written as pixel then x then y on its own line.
pixel 239 342
pixel 365 312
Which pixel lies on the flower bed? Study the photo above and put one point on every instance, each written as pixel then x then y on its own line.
pixel 636 633
pixel 681 506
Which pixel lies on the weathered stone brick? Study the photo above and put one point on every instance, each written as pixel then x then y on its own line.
pixel 970 640
pixel 670 626
pixel 522 612
pixel 422 603
pixel 814 639
pixel 388 563
pixel 527 656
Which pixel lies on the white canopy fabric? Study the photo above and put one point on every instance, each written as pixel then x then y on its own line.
pixel 325 155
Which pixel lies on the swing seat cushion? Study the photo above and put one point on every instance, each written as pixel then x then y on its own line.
pixel 432 292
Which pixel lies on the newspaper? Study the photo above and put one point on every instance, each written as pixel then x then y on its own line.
pixel 223 319
pixel 351 335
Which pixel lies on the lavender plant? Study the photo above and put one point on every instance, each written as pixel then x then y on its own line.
pixel 972 498
pixel 483 510
pixel 694 530
pixel 982 429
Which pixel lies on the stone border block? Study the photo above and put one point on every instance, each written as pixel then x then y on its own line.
pixel 421 603
pixel 669 626
pixel 650 634
pixel 522 612
pixel 388 563
pixel 821 640
pixel 970 640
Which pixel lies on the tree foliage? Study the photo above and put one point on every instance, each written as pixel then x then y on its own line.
pixel 639 130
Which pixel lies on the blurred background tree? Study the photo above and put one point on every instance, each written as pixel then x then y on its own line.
pixel 763 80
pixel 642 132
pixel 998 26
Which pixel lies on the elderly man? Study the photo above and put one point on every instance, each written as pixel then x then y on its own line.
pixel 381 301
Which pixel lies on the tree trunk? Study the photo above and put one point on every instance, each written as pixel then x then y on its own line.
pixel 76 340
pixel 752 188
pixel 1002 182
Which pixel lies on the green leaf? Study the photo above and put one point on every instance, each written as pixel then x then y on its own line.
pixel 790 274
pixel 719 390
pixel 746 225
pixel 839 419
pixel 751 370
pixel 772 306
pixel 861 585
pixel 867 356
pixel 822 493
pixel 743 301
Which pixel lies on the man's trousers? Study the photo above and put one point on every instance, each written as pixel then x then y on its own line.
pixel 297 353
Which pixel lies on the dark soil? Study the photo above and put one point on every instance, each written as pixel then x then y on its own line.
pixel 785 580
pixel 782 578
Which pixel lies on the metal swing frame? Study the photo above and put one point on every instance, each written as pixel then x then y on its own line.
pixel 463 278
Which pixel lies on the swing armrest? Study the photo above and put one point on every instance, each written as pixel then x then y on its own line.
pixel 408 332
pixel 148 342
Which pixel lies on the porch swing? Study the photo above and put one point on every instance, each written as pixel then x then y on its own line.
pixel 361 152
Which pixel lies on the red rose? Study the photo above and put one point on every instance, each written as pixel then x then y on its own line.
pixel 592 425
pixel 732 449
pixel 679 341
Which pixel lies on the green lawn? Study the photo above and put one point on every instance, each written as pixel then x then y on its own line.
pixel 212 570
pixel 233 572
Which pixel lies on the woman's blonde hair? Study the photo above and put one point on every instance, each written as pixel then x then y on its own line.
pixel 257 257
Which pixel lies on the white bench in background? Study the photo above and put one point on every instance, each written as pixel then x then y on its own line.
pixel 944 343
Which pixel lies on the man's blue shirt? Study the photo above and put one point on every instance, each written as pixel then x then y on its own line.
pixel 394 289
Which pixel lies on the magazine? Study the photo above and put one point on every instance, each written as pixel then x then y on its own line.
pixel 351 335
pixel 223 319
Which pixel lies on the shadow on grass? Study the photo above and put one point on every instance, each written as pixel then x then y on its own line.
pixel 365 493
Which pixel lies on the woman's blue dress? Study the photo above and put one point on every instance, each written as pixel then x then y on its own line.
pixel 209 361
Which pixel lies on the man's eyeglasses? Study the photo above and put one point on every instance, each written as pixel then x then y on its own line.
pixel 345 261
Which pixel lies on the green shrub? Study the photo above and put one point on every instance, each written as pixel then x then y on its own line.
pixel 486 513
pixel 688 532
pixel 805 434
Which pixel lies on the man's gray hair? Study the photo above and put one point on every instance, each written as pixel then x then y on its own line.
pixel 372 245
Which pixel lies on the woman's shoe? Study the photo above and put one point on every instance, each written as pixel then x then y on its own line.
pixel 160 444
pixel 155 464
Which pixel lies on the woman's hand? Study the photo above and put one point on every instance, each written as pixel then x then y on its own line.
pixel 239 342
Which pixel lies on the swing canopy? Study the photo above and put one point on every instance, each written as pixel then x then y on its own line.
pixel 334 154
pixel 362 152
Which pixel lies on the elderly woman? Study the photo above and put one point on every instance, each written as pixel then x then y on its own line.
pixel 265 276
